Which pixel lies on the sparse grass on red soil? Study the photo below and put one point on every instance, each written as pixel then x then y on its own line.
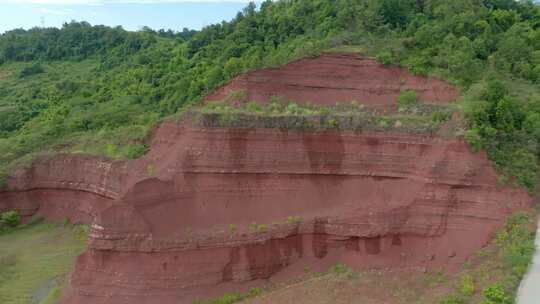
pixel 500 262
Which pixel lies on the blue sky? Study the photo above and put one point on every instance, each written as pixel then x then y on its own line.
pixel 131 14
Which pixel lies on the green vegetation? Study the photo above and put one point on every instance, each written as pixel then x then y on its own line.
pixel 341 269
pixel 501 267
pixel 231 298
pixel 466 285
pixel 33 69
pixel 508 130
pixel 9 219
pixel 99 90
pixel 406 100
pixel 257 228
pixel 233 112
pixel 53 247
pixel 495 294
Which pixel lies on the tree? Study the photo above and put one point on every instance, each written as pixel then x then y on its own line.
pixel 397 12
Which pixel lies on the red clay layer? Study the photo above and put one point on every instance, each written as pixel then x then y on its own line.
pixel 334 77
pixel 214 210
pixel 368 199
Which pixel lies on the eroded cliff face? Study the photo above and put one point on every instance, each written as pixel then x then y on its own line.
pixel 214 210
pixel 64 186
pixel 316 198
pixel 337 77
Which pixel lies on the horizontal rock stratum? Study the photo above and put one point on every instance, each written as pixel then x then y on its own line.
pixel 332 78
pixel 210 210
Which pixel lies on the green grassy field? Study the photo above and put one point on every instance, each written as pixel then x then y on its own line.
pixel 35 261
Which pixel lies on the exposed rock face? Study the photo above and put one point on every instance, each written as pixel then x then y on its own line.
pixel 213 210
pixel 64 186
pixel 332 78
pixel 368 199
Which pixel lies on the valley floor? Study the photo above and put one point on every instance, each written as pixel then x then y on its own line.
pixel 35 261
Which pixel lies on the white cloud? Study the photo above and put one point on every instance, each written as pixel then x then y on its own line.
pixel 102 2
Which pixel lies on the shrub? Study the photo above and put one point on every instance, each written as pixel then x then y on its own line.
pixel 495 294
pixel 452 299
pixel 439 117
pixel 257 228
pixel 341 268
pixel 10 219
pixel 474 139
pixel 517 244
pixel 466 285
pixel 293 108
pixel 33 69
pixel 385 58
pixel 406 100
pixel 235 297
pixel 253 106
pixel 229 298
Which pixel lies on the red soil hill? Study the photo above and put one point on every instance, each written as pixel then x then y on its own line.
pixel 332 78
pixel 214 210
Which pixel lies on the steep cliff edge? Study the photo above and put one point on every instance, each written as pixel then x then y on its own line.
pixel 215 209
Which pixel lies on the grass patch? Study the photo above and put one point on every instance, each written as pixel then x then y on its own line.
pixel 235 112
pixel 234 297
pixel 497 271
pixel 34 255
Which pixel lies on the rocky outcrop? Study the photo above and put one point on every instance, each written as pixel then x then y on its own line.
pixel 218 207
pixel 64 186
pixel 209 210
pixel 337 77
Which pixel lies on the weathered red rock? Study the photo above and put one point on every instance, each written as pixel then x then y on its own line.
pixel 336 77
pixel 214 210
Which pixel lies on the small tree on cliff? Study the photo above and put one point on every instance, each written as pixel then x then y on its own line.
pixel 406 100
pixel 10 219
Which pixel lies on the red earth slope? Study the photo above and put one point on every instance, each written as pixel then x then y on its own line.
pixel 214 210
pixel 332 78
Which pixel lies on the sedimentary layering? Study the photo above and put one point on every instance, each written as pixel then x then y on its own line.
pixel 214 210
pixel 337 77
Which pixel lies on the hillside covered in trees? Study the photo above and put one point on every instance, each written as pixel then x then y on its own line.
pixel 99 90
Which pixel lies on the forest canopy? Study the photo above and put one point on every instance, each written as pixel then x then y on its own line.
pixel 99 89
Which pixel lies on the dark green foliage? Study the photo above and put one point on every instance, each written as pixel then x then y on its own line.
pixel 97 89
pixel 75 40
pixel 507 129
pixel 10 219
pixel 398 12
pixel 385 58
pixel 33 69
